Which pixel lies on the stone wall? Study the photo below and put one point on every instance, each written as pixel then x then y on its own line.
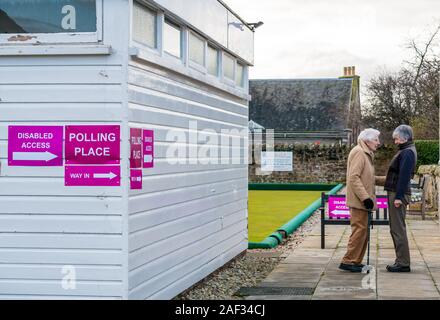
pixel 316 164
pixel 311 164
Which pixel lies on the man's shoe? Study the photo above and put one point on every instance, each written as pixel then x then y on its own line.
pixel 350 267
pixel 398 268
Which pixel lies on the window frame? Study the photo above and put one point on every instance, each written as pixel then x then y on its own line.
pixel 195 65
pixel 157 31
pixel 59 38
pixel 243 75
pixel 218 51
pixel 171 22
pixel 227 80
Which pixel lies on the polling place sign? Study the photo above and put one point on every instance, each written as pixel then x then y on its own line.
pixel 93 155
pixel 93 144
pixel 135 158
pixel 35 146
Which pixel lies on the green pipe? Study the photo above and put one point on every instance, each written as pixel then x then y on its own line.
pixel 293 224
pixel 277 237
pixel 270 242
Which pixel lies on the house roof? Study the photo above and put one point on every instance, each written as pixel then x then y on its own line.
pixel 300 104
pixel 254 126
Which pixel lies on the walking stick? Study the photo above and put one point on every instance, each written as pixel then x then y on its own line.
pixel 367 267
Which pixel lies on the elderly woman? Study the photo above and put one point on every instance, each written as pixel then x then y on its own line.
pixel 360 197
pixel 397 185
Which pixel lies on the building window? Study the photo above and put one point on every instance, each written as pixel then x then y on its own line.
pixel 228 66
pixel 196 49
pixel 172 39
pixel 47 16
pixel 144 25
pixel 212 61
pixel 239 78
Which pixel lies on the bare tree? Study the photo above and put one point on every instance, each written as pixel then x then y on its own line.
pixel 411 95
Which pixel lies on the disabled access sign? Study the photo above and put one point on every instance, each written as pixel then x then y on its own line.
pixel 35 146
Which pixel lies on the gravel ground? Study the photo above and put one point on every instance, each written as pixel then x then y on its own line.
pixel 248 269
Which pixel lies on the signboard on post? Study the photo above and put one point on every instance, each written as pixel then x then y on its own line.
pixel 105 176
pixel 90 144
pixel 136 158
pixel 135 179
pixel 276 161
pixel 135 148
pixel 148 148
pixel 35 145
pixel 337 208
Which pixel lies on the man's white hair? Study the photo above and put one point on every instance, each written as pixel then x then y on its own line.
pixel 369 134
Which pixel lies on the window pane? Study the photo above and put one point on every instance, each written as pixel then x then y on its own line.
pixel 144 25
pixel 212 61
pixel 171 39
pixel 47 16
pixel 228 66
pixel 196 49
pixel 240 75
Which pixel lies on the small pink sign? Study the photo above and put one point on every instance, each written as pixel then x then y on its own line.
pixel 103 176
pixel 135 179
pixel 382 202
pixel 35 145
pixel 148 148
pixel 337 208
pixel 90 144
pixel 135 148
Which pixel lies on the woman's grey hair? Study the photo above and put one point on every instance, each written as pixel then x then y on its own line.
pixel 404 132
pixel 369 134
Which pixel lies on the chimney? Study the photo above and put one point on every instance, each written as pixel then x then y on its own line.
pixel 349 71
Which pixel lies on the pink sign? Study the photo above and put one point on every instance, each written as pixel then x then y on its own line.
pixel 382 202
pixel 135 148
pixel 35 145
pixel 148 148
pixel 135 179
pixel 337 208
pixel 86 144
pixel 104 176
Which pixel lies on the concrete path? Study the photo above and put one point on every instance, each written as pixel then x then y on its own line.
pixel 309 266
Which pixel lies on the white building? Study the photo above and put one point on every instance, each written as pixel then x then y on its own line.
pixel 157 65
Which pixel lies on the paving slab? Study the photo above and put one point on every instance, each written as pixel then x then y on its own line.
pixel 310 266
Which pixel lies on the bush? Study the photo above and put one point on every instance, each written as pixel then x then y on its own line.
pixel 427 152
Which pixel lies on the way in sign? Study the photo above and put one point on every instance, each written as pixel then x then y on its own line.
pixel 92 176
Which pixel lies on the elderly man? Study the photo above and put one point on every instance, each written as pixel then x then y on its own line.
pixel 397 185
pixel 360 197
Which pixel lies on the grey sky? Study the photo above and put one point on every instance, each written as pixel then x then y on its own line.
pixel 317 38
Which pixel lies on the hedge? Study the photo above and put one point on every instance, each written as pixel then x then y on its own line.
pixel 427 152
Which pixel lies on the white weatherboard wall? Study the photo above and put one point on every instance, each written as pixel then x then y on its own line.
pixel 45 226
pixel 187 221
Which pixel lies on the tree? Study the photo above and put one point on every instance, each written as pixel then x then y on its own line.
pixel 409 96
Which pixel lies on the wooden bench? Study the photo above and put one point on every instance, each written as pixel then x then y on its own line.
pixel 421 187
pixel 379 217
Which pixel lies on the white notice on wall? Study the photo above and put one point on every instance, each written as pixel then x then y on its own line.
pixel 276 161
